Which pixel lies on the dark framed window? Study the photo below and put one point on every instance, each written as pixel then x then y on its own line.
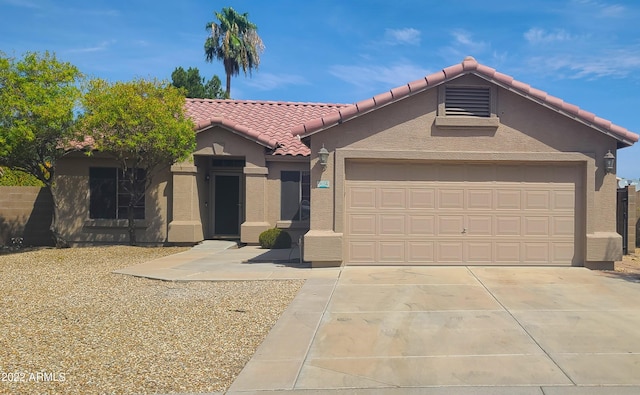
pixel 110 193
pixel 295 195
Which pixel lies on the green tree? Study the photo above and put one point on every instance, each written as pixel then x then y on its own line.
pixel 17 178
pixel 234 40
pixel 143 125
pixel 38 95
pixel 195 85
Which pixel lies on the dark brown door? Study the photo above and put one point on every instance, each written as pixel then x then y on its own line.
pixel 227 205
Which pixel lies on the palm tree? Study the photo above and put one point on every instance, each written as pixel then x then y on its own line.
pixel 235 41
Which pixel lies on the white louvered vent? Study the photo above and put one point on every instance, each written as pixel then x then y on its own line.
pixel 468 101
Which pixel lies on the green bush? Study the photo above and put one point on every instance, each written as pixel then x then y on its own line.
pixel 274 239
pixel 17 178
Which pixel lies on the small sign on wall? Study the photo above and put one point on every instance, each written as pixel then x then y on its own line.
pixel 323 184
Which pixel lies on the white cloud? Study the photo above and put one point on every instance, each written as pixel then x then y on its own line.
pixel 603 9
pixel 269 81
pixel 465 38
pixel 537 35
pixel 612 11
pixel 21 3
pixel 97 12
pixel 389 76
pixel 615 63
pixel 100 47
pixel 463 44
pixel 407 35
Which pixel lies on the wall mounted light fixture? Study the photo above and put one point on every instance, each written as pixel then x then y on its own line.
pixel 323 154
pixel 609 161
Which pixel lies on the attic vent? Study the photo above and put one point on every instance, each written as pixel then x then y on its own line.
pixel 468 101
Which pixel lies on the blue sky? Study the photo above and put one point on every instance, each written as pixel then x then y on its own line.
pixel 586 52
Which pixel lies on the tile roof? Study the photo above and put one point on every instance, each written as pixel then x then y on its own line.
pixel 468 66
pixel 266 122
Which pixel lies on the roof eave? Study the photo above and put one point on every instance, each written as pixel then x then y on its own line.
pixel 626 142
pixel 239 131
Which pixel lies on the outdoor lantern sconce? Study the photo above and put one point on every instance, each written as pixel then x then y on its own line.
pixel 323 154
pixel 609 160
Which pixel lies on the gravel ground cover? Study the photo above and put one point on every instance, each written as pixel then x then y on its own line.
pixel 70 326
pixel 630 265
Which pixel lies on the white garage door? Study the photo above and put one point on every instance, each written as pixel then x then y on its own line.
pixel 418 213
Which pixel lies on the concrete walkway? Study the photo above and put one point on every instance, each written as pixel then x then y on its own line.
pixel 222 260
pixel 436 330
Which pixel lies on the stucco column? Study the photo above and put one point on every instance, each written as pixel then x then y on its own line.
pixel 255 204
pixel 185 225
pixel 604 244
pixel 323 243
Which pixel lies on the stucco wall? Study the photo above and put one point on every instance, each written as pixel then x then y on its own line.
pixel 76 226
pixel 25 212
pixel 295 228
pixel 220 141
pixel 407 129
pixel 261 182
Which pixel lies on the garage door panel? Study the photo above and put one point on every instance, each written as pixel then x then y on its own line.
pixel 480 199
pixel 450 225
pixel 362 224
pixel 562 252
pixel 422 198
pixel 362 251
pixel 478 252
pixel 420 251
pixel 391 224
pixel 479 225
pixel 391 251
pixel 507 252
pixel 457 214
pixel 563 200
pixel 537 200
pixel 508 199
pixel 508 225
pixel 451 199
pixel 535 252
pixel 535 226
pixel 562 226
pixel 362 197
pixel 391 198
pixel 422 225
pixel 449 251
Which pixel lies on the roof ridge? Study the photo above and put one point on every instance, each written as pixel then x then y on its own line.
pixel 270 102
pixel 467 66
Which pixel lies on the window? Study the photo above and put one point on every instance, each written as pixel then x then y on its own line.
pixel 295 195
pixel 109 193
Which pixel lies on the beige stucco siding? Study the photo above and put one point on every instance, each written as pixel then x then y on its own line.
pixel 218 142
pixel 527 133
pixel 72 184
pixel 276 166
pixel 222 142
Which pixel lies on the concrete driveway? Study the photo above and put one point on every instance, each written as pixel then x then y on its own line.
pixel 454 330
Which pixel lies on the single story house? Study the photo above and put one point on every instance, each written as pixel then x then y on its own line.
pixel 465 166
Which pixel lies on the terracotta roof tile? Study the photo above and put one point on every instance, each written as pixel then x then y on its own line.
pixel 266 122
pixel 468 66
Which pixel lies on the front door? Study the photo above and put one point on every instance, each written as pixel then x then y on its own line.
pixel 227 203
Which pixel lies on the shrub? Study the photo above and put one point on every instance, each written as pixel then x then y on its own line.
pixel 274 238
pixel 17 178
